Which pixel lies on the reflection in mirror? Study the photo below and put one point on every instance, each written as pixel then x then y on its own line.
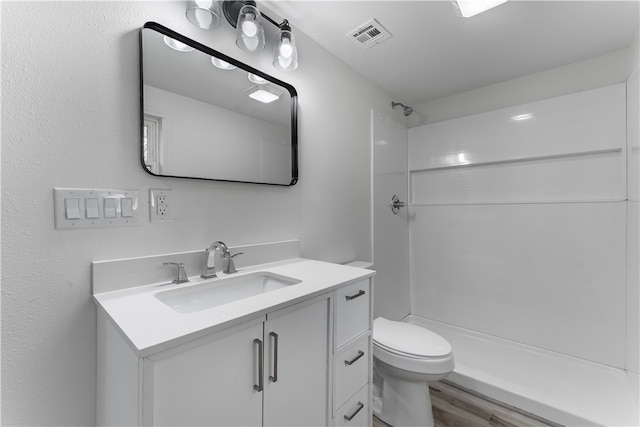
pixel 207 116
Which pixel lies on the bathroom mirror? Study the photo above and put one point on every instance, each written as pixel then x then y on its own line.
pixel 233 123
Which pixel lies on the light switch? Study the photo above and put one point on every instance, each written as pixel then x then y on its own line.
pixel 110 207
pixel 91 208
pixel 72 208
pixel 126 204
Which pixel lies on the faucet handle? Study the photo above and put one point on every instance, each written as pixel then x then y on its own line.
pixel 230 267
pixel 181 276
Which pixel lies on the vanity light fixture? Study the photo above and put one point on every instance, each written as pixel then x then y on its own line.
pixel 204 13
pixel 249 30
pixel 246 18
pixel 176 45
pixel 285 54
pixel 469 8
pixel 223 65
pixel 263 93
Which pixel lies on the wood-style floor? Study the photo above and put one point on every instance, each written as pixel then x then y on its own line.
pixel 453 407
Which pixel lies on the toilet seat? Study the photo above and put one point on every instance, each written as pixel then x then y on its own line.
pixel 405 339
pixel 411 348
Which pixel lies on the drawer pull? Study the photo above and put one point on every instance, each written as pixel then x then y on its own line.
pixel 350 417
pixel 359 294
pixel 260 385
pixel 352 361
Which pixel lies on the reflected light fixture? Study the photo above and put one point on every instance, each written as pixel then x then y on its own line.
pixel 204 13
pixel 223 65
pixel 521 117
pixel 253 78
pixel 469 8
pixel 247 19
pixel 263 93
pixel 176 45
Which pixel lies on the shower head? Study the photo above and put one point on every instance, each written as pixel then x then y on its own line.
pixel 407 110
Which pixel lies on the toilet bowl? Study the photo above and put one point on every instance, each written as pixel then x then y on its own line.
pixel 405 358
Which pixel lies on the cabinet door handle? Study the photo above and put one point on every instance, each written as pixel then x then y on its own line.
pixel 350 417
pixel 260 385
pixel 274 377
pixel 352 361
pixel 359 294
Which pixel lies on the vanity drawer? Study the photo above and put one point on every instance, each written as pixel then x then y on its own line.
pixel 357 410
pixel 351 366
pixel 353 312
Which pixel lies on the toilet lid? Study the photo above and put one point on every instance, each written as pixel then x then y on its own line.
pixel 401 337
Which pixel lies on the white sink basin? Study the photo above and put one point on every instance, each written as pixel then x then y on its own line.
pixel 222 291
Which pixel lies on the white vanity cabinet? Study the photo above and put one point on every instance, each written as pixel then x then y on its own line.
pixel 226 380
pixel 303 361
pixel 352 358
pixel 269 371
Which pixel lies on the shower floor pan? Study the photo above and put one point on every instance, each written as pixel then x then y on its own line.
pixel 556 387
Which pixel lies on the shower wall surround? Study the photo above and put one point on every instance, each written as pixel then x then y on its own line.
pixel 518 225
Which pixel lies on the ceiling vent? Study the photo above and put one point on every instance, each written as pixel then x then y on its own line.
pixel 369 34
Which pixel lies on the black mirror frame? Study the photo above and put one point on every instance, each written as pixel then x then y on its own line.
pixel 211 52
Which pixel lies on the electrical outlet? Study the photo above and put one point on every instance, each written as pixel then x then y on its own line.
pixel 160 205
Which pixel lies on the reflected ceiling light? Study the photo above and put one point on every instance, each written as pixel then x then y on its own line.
pixel 521 117
pixel 204 13
pixel 223 65
pixel 257 79
pixel 469 8
pixel 263 93
pixel 285 53
pixel 176 45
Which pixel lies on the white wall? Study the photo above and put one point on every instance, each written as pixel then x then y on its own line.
pixel 575 77
pixel 633 222
pixel 70 119
pixel 390 232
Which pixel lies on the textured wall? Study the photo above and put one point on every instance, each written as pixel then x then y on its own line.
pixel 70 119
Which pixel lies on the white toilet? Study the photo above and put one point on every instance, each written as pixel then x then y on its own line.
pixel 405 358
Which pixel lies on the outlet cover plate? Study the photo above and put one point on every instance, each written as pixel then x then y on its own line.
pixel 160 205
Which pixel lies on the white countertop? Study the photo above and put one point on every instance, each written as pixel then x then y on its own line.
pixel 150 326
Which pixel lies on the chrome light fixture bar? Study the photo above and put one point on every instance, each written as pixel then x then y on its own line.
pixel 246 18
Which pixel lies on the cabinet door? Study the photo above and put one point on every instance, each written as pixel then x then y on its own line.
pixel 210 384
pixel 296 389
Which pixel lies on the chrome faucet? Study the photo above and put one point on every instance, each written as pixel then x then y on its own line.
pixel 228 268
pixel 181 274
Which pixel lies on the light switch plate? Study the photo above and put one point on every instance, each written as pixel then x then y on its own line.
pixel 86 213
pixel 160 205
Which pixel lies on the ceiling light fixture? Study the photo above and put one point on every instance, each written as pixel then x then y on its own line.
pixel 246 18
pixel 469 8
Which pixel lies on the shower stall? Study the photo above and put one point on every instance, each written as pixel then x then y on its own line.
pixel 514 235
